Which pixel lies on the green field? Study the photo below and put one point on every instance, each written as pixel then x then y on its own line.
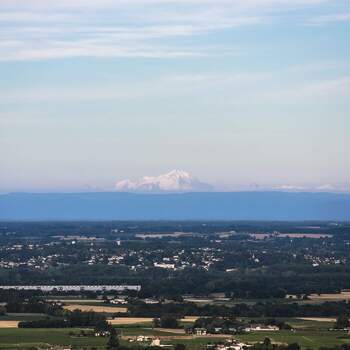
pixel 24 338
pixel 22 317
pixel 298 323
pixel 306 338
pixel 307 324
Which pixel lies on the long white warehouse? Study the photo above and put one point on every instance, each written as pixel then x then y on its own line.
pixel 100 288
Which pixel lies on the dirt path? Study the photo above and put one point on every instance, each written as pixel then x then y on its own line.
pixel 82 307
pixel 130 320
pixel 344 295
pixel 9 324
pixel 184 337
pixel 171 330
pixel 319 319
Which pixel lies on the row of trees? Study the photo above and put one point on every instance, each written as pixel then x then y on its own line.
pixel 268 345
pixel 76 318
pixel 266 309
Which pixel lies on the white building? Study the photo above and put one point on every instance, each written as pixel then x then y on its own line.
pixel 164 265
pixel 260 327
pixel 77 288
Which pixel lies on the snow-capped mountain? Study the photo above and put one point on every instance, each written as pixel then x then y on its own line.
pixel 174 181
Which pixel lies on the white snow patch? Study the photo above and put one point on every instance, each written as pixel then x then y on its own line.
pixel 174 181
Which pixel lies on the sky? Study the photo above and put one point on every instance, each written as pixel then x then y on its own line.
pixel 243 94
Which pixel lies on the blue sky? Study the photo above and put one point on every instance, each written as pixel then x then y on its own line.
pixel 244 94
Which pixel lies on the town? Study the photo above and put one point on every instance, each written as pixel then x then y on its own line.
pixel 200 285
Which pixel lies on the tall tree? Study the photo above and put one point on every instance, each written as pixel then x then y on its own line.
pixel 342 322
pixel 113 341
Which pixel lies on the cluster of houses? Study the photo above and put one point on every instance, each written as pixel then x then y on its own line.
pixel 118 301
pixel 104 333
pixel 38 262
pixel 153 341
pixel 232 330
pixel 324 260
pixel 39 256
pixel 230 344
pixel 178 261
pixel 141 339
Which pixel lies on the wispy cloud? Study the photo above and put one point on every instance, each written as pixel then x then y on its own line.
pixel 69 4
pixel 17 51
pixel 58 41
pixel 126 28
pixel 226 89
pixel 329 18
pixel 167 85
pixel 15 17
pixel 330 88
pixel 340 85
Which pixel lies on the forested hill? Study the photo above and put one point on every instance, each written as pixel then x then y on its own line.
pixel 180 206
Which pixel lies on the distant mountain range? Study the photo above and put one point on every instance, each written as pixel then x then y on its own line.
pixel 174 181
pixel 175 206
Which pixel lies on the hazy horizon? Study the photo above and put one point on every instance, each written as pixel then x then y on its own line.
pixel 243 95
pixel 207 187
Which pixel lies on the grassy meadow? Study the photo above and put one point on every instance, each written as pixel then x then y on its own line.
pixel 25 338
